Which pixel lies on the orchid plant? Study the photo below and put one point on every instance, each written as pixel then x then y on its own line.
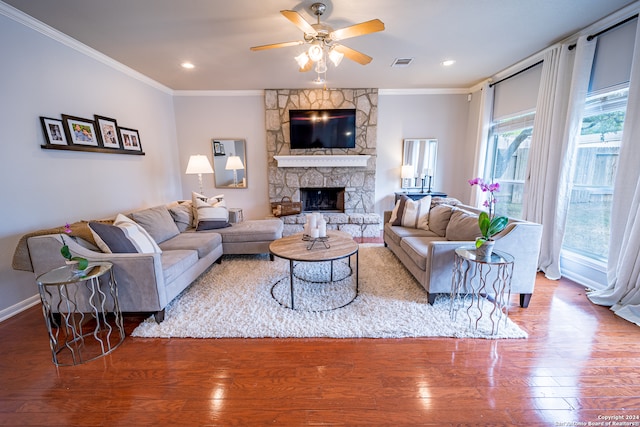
pixel 489 223
pixel 64 250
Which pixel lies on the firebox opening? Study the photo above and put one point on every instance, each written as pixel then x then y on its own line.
pixel 322 199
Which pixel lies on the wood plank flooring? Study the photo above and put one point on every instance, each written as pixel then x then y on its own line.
pixel 578 366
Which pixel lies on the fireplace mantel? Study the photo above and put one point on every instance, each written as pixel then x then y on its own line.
pixel 322 161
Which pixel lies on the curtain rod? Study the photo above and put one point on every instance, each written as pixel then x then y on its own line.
pixel 593 36
pixel 515 74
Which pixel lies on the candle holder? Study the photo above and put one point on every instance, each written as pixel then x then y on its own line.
pixel 312 241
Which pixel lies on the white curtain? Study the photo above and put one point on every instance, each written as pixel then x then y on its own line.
pixel 623 291
pixel 563 91
pixel 484 123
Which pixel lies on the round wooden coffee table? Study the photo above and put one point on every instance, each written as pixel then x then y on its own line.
pixel 337 246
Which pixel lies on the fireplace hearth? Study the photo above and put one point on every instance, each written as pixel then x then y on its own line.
pixel 322 199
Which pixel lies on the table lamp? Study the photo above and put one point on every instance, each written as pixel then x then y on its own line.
pixel 234 163
pixel 199 164
pixel 406 173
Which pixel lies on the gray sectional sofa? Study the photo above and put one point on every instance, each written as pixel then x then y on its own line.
pixel 147 282
pixel 428 252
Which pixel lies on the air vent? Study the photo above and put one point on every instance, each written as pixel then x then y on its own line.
pixel 402 62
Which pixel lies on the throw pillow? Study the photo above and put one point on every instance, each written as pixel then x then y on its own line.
pixel 463 226
pixel 210 213
pixel 157 221
pixel 182 215
pixel 412 213
pixel 124 236
pixel 439 217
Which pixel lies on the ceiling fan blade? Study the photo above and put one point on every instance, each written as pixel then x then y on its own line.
pixel 276 45
pixel 358 30
pixel 299 21
pixel 353 55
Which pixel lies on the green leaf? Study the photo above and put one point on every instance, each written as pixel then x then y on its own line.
pixel 479 242
pixel 65 252
pixel 483 223
pixel 497 225
pixel 82 262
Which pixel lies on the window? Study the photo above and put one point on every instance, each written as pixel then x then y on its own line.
pixel 596 162
pixel 507 155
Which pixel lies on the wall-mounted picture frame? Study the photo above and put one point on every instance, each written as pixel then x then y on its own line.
pixel 107 132
pixel 53 131
pixel 80 131
pixel 130 139
pixel 218 148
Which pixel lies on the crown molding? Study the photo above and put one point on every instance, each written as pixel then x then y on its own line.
pixel 30 22
pixel 256 92
pixel 424 91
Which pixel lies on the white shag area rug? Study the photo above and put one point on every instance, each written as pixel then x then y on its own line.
pixel 238 299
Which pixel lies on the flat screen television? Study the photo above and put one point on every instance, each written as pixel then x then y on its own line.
pixel 331 128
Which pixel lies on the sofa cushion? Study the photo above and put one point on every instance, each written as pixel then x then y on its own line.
pixel 124 236
pixel 439 217
pixel 158 223
pixel 411 213
pixel 397 233
pixel 210 212
pixel 182 215
pixel 174 263
pixel 463 225
pixel 203 243
pixel 417 248
pixel 264 230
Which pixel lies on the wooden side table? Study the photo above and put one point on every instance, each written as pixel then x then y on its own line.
pixel 476 280
pixel 82 314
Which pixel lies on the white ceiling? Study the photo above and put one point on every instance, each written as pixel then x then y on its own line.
pixel 154 37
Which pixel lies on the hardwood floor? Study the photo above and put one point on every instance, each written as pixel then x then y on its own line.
pixel 578 366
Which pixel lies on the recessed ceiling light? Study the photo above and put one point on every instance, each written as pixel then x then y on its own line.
pixel 188 65
pixel 448 62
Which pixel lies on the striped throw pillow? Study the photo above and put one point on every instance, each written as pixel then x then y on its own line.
pixel 411 213
pixel 210 213
pixel 124 236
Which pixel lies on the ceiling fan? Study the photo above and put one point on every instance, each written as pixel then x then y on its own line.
pixel 322 37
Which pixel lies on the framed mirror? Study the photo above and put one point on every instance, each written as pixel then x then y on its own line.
pixel 229 163
pixel 419 163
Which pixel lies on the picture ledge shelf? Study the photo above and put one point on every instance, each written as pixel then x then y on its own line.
pixel 91 149
pixel 327 161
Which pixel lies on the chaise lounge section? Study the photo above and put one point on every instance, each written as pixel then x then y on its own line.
pixel 147 282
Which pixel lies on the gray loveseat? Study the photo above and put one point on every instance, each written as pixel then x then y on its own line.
pixel 429 253
pixel 147 282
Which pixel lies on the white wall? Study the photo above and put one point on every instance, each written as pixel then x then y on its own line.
pixel 439 116
pixel 201 118
pixel 40 188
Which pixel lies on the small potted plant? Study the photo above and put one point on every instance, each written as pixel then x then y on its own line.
pixel 78 264
pixel 489 223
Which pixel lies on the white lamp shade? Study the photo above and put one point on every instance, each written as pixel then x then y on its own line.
pixel 302 59
pixel 407 172
pixel 335 57
pixel 315 52
pixel 233 163
pixel 199 163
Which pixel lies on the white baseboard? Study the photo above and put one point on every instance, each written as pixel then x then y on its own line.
pixel 583 271
pixel 19 307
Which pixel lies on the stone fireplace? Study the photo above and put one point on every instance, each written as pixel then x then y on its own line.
pixel 358 182
pixel 322 199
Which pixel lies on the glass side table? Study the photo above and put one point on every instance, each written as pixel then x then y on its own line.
pixel 82 312
pixel 476 280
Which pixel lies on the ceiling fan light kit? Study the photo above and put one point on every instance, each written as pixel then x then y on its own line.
pixel 323 42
